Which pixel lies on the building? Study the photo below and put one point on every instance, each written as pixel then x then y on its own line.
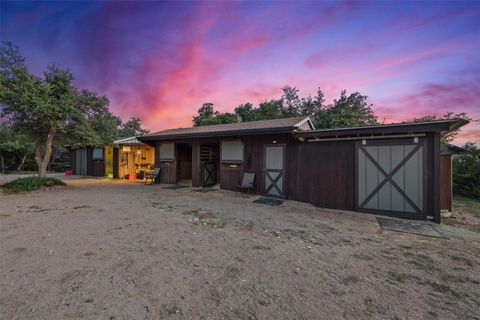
pixel 389 169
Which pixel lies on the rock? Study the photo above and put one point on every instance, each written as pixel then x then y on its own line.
pixel 445 213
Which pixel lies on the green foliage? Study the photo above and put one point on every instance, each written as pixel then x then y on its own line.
pixel 131 128
pixel 31 183
pixel 245 112
pixel 49 110
pixel 450 136
pixel 14 149
pixel 207 116
pixel 348 111
pixel 466 171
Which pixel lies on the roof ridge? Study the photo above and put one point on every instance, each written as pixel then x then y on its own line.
pixel 233 124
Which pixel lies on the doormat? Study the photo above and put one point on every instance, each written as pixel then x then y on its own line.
pixel 205 189
pixel 176 187
pixel 269 201
pixel 421 228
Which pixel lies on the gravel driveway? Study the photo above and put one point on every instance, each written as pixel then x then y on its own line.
pixel 102 249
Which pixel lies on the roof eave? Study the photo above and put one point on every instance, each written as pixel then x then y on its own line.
pixel 425 127
pixel 241 132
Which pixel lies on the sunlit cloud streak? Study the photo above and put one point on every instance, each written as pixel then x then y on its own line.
pixel 161 60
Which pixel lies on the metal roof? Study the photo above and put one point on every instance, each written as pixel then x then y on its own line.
pixel 128 141
pixel 441 126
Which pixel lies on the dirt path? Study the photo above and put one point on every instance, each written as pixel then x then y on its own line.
pixel 115 250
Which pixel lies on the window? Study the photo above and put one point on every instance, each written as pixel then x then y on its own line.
pixel 232 150
pixel 167 151
pixel 98 154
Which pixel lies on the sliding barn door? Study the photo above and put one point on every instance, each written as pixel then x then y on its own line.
pixel 274 170
pixel 391 178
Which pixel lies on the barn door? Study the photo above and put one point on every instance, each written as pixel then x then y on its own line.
pixel 274 170
pixel 81 162
pixel 390 178
pixel 209 173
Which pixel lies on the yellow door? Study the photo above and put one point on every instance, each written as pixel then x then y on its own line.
pixel 109 161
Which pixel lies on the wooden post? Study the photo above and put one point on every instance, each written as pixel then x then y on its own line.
pixel 436 177
pixel 446 183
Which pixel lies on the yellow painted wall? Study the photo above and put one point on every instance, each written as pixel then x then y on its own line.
pixel 139 158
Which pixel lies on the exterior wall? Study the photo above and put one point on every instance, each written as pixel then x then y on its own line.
pixel 325 174
pixel 95 168
pixel 126 163
pixel 446 183
pixel 320 173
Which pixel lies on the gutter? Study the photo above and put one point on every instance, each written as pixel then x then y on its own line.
pixel 395 136
pixel 217 134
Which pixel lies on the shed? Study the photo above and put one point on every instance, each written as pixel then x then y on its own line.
pixel 91 161
pixel 386 169
pixel 131 156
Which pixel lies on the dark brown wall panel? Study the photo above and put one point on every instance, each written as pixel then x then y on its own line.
pixel 446 182
pixel 167 172
pixel 116 163
pixel 231 175
pixel 325 174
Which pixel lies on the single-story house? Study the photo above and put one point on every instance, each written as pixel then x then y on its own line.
pixel 389 169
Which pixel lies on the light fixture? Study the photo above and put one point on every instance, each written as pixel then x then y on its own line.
pixel 364 141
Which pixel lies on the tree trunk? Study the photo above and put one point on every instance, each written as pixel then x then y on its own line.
pixel 2 164
pixel 43 160
pixel 22 162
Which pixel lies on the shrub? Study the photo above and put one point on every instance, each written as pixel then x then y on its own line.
pixel 466 171
pixel 31 183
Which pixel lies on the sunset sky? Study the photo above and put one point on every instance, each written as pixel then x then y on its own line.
pixel 161 60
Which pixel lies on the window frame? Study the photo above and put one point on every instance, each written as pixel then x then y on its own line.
pixel 232 160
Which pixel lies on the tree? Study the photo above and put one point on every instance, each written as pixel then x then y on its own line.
pixel 466 171
pixel 449 136
pixel 348 111
pixel 131 128
pixel 207 116
pixel 291 101
pixel 50 109
pixel 14 149
pixel 245 112
pixel 272 109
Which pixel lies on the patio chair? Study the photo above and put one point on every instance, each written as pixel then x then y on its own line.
pixel 152 175
pixel 247 183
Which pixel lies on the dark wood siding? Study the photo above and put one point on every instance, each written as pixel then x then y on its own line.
pixel 230 175
pixel 167 172
pixel 446 182
pixel 320 173
pixel 116 163
pixel 325 174
pixel 73 161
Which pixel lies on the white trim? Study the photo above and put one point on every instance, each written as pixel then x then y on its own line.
pixel 298 125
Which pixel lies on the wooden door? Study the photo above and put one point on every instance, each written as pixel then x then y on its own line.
pixel 391 178
pixel 274 170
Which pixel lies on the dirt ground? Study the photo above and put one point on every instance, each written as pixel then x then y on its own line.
pixel 101 249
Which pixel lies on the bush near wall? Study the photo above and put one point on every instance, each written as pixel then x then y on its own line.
pixel 466 171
